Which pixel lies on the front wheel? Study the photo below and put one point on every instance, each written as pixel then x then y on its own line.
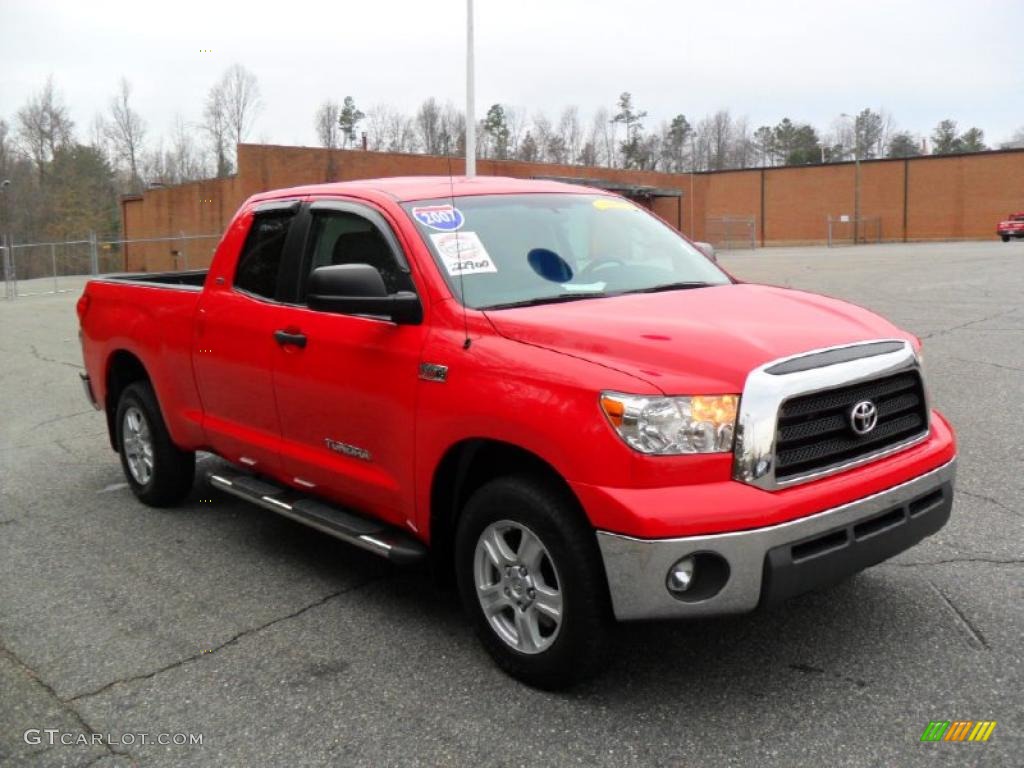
pixel 531 579
pixel 1006 238
pixel 159 473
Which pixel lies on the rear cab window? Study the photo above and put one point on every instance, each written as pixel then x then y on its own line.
pixel 260 261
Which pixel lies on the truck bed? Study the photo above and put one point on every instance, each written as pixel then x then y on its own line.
pixel 192 278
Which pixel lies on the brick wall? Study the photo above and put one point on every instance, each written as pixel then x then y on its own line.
pixel 933 198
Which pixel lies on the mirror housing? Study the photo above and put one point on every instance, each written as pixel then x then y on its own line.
pixel 358 289
pixel 708 250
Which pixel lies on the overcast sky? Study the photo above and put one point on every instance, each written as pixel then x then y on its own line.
pixel 810 61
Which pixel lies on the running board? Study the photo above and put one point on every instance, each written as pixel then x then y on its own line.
pixel 371 535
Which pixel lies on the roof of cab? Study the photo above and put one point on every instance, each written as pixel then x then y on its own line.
pixel 406 188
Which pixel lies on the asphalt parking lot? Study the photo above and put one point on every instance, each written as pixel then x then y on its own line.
pixel 283 647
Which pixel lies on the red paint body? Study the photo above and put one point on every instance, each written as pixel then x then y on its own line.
pixel 531 378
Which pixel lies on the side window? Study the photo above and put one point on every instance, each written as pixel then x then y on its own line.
pixel 261 255
pixel 338 237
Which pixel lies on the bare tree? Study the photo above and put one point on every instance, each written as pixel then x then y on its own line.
pixel 401 133
pixel 515 119
pixel 603 132
pixel 215 124
pixel 241 100
pixel 544 136
pixel 570 133
pixel 428 125
pixel 328 131
pixel 44 126
pixel 189 162
pixel 126 131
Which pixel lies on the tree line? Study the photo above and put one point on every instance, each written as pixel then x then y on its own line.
pixel 66 182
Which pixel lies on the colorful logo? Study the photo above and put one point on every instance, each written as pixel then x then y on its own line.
pixel 958 730
pixel 443 218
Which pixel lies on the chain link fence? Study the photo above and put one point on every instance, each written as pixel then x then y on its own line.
pixel 57 267
pixel 729 233
pixel 850 230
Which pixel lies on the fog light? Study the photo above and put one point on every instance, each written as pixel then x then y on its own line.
pixel 680 575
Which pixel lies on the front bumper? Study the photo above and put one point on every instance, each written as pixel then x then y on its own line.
pixel 767 565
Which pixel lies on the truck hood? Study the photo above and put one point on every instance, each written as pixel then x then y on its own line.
pixel 696 341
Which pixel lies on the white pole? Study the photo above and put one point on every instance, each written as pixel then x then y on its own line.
pixel 470 97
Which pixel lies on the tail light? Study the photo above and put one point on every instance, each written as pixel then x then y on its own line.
pixel 82 306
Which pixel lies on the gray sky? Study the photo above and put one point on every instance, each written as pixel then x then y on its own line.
pixel 921 61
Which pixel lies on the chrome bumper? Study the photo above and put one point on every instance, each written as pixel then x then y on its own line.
pixel 766 565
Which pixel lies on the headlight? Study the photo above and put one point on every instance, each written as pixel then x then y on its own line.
pixel 673 425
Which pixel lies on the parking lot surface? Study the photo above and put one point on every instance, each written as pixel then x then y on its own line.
pixel 284 647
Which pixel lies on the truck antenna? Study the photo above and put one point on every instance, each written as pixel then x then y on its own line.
pixel 458 250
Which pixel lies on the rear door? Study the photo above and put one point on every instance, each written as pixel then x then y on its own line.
pixel 347 397
pixel 235 345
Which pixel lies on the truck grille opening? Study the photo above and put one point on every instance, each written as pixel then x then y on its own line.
pixel 815 431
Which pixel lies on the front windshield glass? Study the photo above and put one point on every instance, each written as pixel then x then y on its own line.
pixel 513 250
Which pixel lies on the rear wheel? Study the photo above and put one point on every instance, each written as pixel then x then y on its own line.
pixel 159 473
pixel 1006 238
pixel 531 579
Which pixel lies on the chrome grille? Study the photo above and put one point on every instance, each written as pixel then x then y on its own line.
pixel 814 431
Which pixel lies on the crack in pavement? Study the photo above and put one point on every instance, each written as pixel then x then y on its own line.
pixel 987 560
pixel 989 499
pixel 66 704
pixel 808 669
pixel 55 419
pixel 39 356
pixel 945 331
pixel 974 632
pixel 231 641
pixel 986 362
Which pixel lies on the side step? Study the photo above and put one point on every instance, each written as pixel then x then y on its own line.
pixel 371 535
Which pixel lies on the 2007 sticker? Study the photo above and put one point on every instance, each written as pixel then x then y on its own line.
pixel 463 253
pixel 443 218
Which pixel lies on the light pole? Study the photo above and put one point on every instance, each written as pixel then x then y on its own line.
pixel 856 183
pixel 5 237
pixel 470 95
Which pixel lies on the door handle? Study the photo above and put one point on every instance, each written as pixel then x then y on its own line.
pixel 285 338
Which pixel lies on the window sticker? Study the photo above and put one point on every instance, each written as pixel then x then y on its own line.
pixel 463 253
pixel 443 218
pixel 613 204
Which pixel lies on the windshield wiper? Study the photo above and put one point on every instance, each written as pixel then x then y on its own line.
pixel 557 299
pixel 670 287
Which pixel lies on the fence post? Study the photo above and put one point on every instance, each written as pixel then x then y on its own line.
pixel 4 267
pixel 53 263
pixel 94 256
pixel 828 224
pixel 184 254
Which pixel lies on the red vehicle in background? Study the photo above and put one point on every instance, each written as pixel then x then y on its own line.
pixel 540 388
pixel 1013 226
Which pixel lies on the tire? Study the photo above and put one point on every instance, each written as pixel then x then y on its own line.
pixel 1006 238
pixel 551 654
pixel 142 437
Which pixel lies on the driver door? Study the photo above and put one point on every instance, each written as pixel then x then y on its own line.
pixel 346 399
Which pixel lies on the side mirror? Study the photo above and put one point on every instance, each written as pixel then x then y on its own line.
pixel 358 289
pixel 708 250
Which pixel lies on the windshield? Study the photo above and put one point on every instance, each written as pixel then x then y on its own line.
pixel 513 250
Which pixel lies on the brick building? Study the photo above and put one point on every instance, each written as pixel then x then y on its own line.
pixel 954 197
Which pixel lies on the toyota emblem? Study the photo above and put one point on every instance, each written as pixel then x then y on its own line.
pixel 864 417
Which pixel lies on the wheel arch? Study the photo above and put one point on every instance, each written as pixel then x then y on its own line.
pixel 466 466
pixel 123 369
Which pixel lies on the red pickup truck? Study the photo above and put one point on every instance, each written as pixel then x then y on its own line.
pixel 541 389
pixel 1013 226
